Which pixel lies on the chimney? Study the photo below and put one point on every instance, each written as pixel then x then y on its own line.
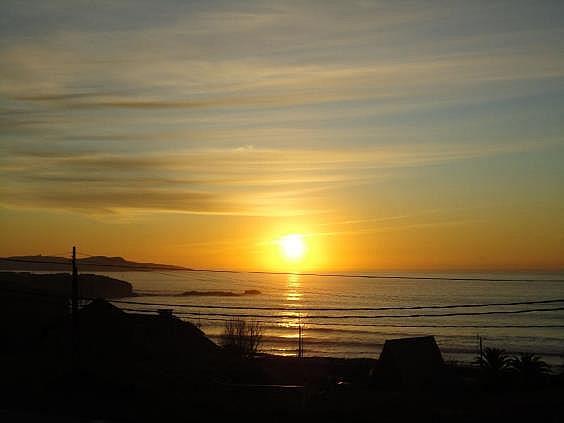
pixel 165 313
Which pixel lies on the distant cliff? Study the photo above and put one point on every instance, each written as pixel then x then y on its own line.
pixel 89 264
pixel 59 284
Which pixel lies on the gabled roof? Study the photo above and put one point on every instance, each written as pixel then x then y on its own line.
pixel 412 361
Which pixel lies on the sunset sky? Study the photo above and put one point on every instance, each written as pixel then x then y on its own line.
pixel 388 135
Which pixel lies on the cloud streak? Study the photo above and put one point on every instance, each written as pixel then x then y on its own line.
pixel 235 181
pixel 260 109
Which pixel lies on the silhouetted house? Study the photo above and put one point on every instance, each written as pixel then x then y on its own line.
pixel 411 363
pixel 148 349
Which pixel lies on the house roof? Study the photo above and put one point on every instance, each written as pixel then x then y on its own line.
pixel 413 361
pixel 145 331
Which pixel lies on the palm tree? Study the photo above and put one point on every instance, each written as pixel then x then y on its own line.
pixel 529 367
pixel 494 361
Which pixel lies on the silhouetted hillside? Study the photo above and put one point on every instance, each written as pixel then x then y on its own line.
pixel 59 284
pixel 89 264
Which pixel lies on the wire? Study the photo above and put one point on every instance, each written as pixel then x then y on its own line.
pixel 259 272
pixel 339 308
pixel 58 254
pixel 35 261
pixel 330 308
pixel 46 297
pixel 85 255
pixel 197 317
pixel 121 266
pixel 364 276
pixel 381 316
pixel 351 309
pixel 412 326
pixel 51 295
pixel 203 316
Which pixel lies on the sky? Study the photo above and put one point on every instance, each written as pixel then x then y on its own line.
pixel 388 134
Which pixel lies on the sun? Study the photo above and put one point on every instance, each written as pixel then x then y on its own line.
pixel 293 247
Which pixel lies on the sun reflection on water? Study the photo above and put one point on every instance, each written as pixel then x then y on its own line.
pixel 294 296
pixel 294 286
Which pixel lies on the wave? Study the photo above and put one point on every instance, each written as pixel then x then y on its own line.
pixel 462 345
pixel 247 292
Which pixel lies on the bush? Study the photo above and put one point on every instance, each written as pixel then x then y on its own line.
pixel 241 337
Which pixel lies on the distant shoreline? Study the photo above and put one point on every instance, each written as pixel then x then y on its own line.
pixel 109 264
pixel 88 264
pixel 193 293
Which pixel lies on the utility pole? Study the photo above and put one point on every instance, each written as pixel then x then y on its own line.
pixel 481 353
pixel 74 311
pixel 300 341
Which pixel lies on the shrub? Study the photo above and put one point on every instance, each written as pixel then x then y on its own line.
pixel 242 337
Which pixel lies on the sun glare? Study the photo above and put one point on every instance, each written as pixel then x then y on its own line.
pixel 293 247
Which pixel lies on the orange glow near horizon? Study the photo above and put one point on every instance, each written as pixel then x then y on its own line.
pixel 336 245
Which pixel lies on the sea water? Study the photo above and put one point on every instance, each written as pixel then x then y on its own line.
pixel 360 333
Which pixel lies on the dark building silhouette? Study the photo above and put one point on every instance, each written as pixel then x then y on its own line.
pixel 411 363
pixel 160 346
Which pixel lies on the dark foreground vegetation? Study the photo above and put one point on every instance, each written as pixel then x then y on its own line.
pixel 127 367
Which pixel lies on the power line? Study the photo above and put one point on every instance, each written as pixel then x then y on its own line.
pixel 365 276
pixel 65 260
pixel 46 297
pixel 197 317
pixel 441 326
pixel 299 309
pixel 205 316
pixel 381 316
pixel 416 326
pixel 58 254
pixel 335 308
pixel 264 272
pixel 32 292
pixel 339 308
pixel 172 275
pixel 51 295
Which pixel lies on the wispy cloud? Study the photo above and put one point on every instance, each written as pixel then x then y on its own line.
pixel 255 108
pixel 262 84
pixel 234 181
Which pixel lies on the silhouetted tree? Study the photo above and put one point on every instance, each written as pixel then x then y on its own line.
pixel 242 337
pixel 494 361
pixel 494 364
pixel 529 368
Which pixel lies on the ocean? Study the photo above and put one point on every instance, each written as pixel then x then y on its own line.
pixel 364 332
